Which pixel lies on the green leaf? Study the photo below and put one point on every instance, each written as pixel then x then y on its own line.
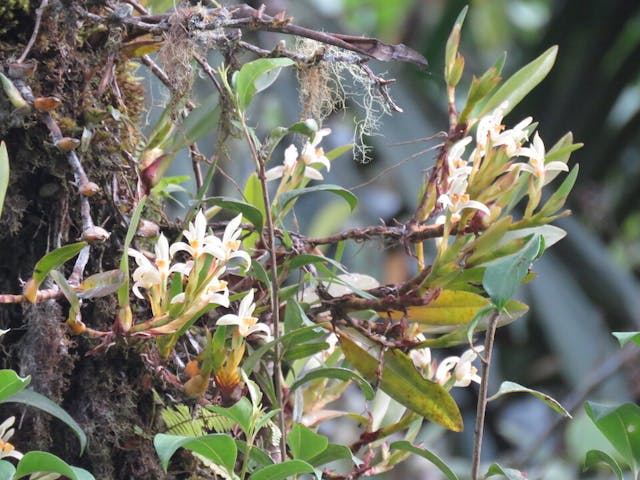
pixel 301 335
pixel 100 284
pixel 307 259
pixel 256 76
pixel 290 195
pixel 332 453
pixel 426 454
pixel 294 316
pixel 7 470
pixel 240 412
pixel 250 212
pixel 4 173
pixel 481 87
pixel 595 457
pixel 50 261
pixel 451 49
pixel 258 272
pixel 512 387
pixel 400 380
pixel 217 447
pixel 123 291
pixel 296 352
pixel 253 193
pixel 560 152
pixel 503 277
pixel 450 307
pixel 168 185
pixel 522 82
pixel 335 372
pixel 305 443
pixel 11 383
pixel 281 471
pixel 257 455
pixel 559 197
pixel 510 473
pixel 33 462
pixel 39 401
pixel 621 425
pixel 626 337
pixel 200 122
pixel 68 292
pixel 308 128
pixel 336 152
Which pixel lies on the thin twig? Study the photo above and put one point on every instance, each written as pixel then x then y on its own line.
pixel 482 396
pixel 36 30
pixel 409 232
pixel 245 17
pixel 386 171
pixel 275 302
pixel 196 159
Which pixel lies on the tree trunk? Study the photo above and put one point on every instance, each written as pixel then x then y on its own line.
pixel 110 393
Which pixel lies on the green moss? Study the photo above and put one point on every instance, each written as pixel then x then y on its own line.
pixel 9 11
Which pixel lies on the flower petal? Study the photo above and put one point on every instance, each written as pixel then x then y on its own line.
pixel 274 173
pixel 312 173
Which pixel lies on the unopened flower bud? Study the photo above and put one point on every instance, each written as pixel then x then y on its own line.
pixel 66 144
pixel 77 327
pixel 46 104
pixel 147 229
pixel 95 234
pixel 192 369
pixel 196 386
pixel 88 189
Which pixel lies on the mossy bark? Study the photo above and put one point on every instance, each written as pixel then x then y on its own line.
pixel 110 393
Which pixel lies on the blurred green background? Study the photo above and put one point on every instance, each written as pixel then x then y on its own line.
pixel 588 285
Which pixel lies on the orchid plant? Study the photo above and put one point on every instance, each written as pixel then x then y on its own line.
pixel 264 313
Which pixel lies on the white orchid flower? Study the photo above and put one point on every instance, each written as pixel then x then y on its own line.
pixel 197 237
pixel 421 358
pixel 288 167
pixel 463 370
pixel 489 127
pixel 457 166
pixel 6 432
pixel 312 154
pixel 150 274
pixel 512 139
pixel 456 199
pixel 216 292
pixel 246 322
pixel 229 246
pixel 537 166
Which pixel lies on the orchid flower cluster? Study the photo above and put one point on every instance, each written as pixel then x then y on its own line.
pixel 494 144
pixel 298 166
pixel 196 287
pixel 452 371
pixel 175 307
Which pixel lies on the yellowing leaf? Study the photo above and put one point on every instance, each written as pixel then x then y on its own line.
pixel 451 307
pixel 400 380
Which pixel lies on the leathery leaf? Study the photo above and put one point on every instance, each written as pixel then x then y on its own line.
pixel 400 380
pixel 450 307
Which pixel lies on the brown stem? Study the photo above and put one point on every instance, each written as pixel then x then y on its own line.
pixel 482 396
pixel 36 29
pixel 275 302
